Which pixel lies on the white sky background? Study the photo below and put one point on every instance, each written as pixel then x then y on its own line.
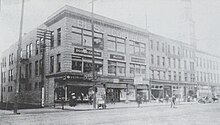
pixel 162 17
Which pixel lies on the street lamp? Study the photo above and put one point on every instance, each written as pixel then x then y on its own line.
pixel 17 82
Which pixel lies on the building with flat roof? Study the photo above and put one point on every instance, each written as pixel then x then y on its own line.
pixel 128 61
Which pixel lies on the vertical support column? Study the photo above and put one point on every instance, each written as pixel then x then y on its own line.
pixel 65 93
pixel 126 93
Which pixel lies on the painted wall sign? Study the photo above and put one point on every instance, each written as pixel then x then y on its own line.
pixel 126 80
pixel 118 57
pixel 137 60
pixel 87 52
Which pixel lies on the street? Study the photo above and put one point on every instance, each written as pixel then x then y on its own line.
pixel 190 114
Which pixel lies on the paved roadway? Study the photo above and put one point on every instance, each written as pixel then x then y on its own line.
pixel 190 114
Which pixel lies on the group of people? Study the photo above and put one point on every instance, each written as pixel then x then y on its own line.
pixel 173 100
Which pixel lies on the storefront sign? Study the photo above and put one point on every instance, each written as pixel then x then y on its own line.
pixel 87 52
pixel 138 60
pixel 126 80
pixel 118 57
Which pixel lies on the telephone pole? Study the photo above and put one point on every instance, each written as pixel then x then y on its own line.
pixel 17 82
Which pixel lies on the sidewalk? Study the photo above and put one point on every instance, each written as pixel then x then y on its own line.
pixel 87 107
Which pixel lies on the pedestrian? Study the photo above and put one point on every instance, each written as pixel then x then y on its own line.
pixel 73 100
pixel 138 100
pixel 173 101
pixel 62 102
pixel 167 98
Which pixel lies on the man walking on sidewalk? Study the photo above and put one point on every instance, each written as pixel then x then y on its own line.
pixel 138 100
pixel 173 101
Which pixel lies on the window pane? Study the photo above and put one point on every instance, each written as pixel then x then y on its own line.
pixel 87 40
pixel 120 47
pixel 111 46
pixel 77 65
pixel 77 38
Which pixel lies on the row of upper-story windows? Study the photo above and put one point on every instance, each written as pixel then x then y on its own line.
pixel 10 89
pixel 208 64
pixel 176 76
pixel 83 37
pixel 115 68
pixel 207 77
pixel 162 61
pixel 118 44
pixel 10 76
pixel 164 47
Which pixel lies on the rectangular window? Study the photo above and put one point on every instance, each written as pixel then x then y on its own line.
pixel 51 64
pixel 174 63
pixel 116 44
pixel 169 62
pixel 58 63
pixel 40 66
pixel 163 61
pixel 112 67
pixel 168 48
pixel 178 51
pixel 36 68
pixel 158 60
pixel 137 48
pixel 179 76
pixel 158 46
pixel 179 64
pixel 132 69
pixel 186 78
pixel 30 50
pixel 151 44
pixel 152 59
pixel 174 50
pixel 26 71
pixel 27 51
pixel 52 39
pixel 77 65
pixel 37 47
pixel 184 64
pixel 30 70
pixel 174 75
pixel 120 45
pixel 169 75
pixel 163 47
pixel 120 69
pixel 152 74
pixel 58 36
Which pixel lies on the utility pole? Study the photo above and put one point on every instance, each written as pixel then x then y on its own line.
pixel 1 84
pixel 17 82
pixel 93 58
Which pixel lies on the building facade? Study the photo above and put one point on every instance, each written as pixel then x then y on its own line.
pixel 128 61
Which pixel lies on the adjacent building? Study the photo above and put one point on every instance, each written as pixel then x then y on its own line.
pixel 128 61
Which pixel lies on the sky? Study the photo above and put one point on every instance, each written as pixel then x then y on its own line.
pixel 161 16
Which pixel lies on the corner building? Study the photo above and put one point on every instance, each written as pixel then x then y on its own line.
pixel 128 61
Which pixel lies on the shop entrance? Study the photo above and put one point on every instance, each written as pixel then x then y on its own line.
pixel 113 95
pixel 167 91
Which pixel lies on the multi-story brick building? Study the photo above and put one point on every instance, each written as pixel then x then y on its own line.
pixel 128 60
pixel 207 73
pixel 172 67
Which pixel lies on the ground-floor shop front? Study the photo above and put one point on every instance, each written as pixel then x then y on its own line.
pixel 111 90
pixel 183 92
